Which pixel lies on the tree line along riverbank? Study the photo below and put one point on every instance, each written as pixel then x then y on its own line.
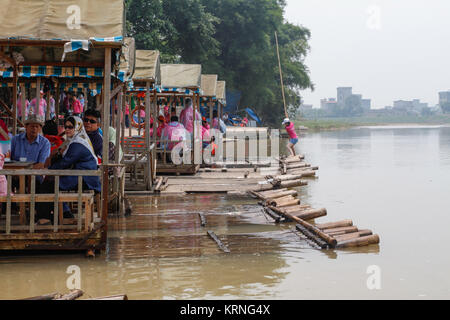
pixel 346 123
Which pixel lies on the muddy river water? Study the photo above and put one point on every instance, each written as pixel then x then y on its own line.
pixel 392 180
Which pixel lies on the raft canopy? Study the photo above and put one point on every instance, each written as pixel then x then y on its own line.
pixel 209 85
pixel 221 91
pixel 127 60
pixel 148 68
pixel 176 77
pixel 52 20
pixel 65 39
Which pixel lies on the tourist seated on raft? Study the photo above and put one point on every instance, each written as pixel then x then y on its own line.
pixel 218 123
pixel 76 153
pixel 31 146
pixel 92 125
pixel 206 137
pixel 187 116
pixel 173 132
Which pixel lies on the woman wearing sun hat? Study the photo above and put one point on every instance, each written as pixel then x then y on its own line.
pixel 293 138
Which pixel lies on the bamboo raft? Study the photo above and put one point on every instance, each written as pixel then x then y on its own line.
pixel 280 203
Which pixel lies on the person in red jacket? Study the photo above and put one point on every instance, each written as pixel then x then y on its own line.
pixel 50 131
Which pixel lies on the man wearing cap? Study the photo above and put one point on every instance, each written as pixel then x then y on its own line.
pixel 293 138
pixel 30 146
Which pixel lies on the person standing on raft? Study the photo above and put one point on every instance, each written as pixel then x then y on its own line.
pixel 293 138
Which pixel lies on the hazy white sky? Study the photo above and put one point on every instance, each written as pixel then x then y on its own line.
pixel 385 49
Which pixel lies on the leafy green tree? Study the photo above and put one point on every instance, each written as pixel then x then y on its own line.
pixel 231 38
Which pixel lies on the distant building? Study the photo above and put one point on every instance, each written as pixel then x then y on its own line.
pixel 328 104
pixel 444 101
pixel 343 93
pixel 414 106
pixel 366 104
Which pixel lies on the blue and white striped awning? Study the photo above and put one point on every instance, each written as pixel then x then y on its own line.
pixel 112 39
pixel 58 72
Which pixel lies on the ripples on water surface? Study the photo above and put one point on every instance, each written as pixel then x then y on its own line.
pixel 393 180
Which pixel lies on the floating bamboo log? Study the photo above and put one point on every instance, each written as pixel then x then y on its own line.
pixel 283 200
pixel 301 170
pixel 73 295
pixel 273 215
pixel 311 214
pixel 285 178
pixel 120 297
pixel 293 184
pixel 359 242
pixel 355 235
pixel 289 203
pixel 292 193
pixel 293 159
pixel 302 207
pixel 219 243
pixel 341 231
pixel 299 165
pixel 322 244
pixel 268 193
pixel 338 224
pixel 202 219
pixel 327 238
pixel 45 297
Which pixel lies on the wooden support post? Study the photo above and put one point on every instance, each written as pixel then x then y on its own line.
pixel 33 202
pixel 56 212
pixel 37 107
pixel 117 125
pixel 57 102
pixel 105 160
pixel 22 101
pixel 148 165
pixel 15 101
pixel 47 111
pixel 80 202
pixel 155 133
pixel 210 112
pixel 8 205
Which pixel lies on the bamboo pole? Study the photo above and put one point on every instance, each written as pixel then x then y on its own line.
pixel 355 235
pixel 311 214
pixel 148 164
pixel 359 242
pixel 338 224
pixel 327 238
pixel 281 76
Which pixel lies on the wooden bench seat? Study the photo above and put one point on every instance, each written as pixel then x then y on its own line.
pixel 86 198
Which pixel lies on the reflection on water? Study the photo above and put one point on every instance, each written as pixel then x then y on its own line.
pixel 391 180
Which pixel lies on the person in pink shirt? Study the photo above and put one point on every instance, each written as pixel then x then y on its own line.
pixel 187 116
pixel 76 106
pixel 293 138
pixel 206 137
pixel 174 131
pixel 42 106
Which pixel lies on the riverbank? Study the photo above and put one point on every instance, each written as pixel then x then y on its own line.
pixel 323 124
